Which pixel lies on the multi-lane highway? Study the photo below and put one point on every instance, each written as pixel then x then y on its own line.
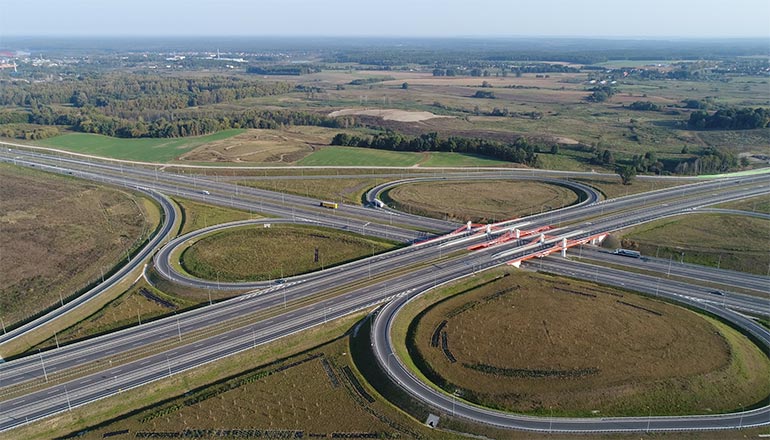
pixel 204 335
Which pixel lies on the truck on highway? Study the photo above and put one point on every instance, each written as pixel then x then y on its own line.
pixel 378 203
pixel 628 253
pixel 330 205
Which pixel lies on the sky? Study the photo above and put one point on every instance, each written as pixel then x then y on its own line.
pixel 400 18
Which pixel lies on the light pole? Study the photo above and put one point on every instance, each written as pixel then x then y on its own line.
pixel 67 395
pixel 42 364
pixel 550 421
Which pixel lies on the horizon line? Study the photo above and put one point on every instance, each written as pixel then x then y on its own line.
pixel 417 37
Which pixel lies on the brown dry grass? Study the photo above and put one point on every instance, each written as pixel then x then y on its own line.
pixel 274 147
pixel 480 201
pixel 676 363
pixel 58 235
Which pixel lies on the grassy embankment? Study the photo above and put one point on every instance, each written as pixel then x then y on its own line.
pixel 754 204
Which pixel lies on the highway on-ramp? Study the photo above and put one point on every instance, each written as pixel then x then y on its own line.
pixel 209 333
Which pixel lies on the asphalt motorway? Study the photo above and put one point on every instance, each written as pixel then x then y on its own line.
pixel 50 400
pixel 450 405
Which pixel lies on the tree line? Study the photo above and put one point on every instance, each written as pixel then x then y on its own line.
pixel 520 151
pixel 730 119
pixel 183 124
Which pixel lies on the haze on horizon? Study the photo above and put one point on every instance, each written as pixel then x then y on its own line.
pixel 394 18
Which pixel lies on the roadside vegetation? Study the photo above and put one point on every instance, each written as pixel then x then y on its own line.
pixel 719 240
pixel 200 215
pixel 140 304
pixel 541 344
pixel 61 234
pixel 347 190
pixel 613 187
pixel 259 253
pixel 754 204
pixel 480 201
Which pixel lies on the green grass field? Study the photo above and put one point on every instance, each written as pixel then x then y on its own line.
pixel 726 241
pixel 145 150
pixel 257 253
pixel 462 160
pixel 754 204
pixel 354 156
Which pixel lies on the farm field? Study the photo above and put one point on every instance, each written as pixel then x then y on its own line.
pixel 257 253
pixel 541 344
pixel 483 201
pixel 719 240
pixel 558 98
pixel 143 150
pixel 79 229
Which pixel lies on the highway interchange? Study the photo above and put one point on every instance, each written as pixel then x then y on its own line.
pixel 313 299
